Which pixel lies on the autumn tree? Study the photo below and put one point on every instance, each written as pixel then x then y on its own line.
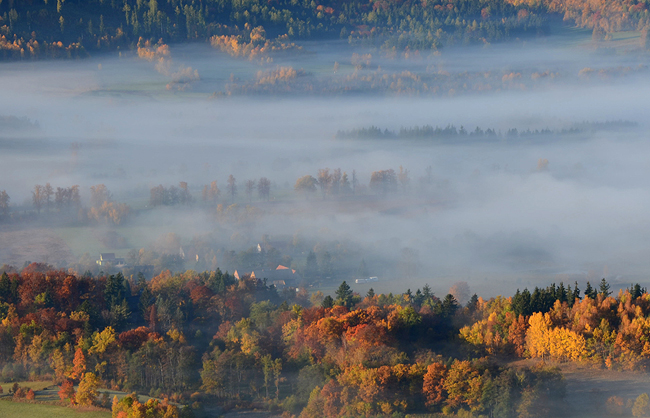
pixel 345 187
pixel 87 392
pixel 461 292
pixel 641 407
pixel 463 385
pixel 305 185
pixel 67 390
pixel 433 386
pixel 131 407
pixel 211 193
pixel 383 181
pixel 38 197
pixel 99 194
pixel 79 364
pixel 324 180
pixel 537 340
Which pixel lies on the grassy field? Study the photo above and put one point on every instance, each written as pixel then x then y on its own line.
pixel 32 385
pixel 10 409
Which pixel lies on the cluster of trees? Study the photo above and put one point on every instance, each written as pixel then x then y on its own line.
pixel 170 196
pixel 64 198
pixel 558 323
pixel 72 28
pixel 337 183
pixel 450 132
pixel 433 81
pixel 65 202
pixel 98 25
pixel 332 183
pixel 251 43
pixel 211 193
pixel 205 337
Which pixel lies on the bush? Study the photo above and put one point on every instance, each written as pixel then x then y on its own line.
pixel 20 393
pixel 641 406
pixel 67 390
pixel 615 405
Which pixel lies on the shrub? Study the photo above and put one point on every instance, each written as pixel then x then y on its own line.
pixel 20 393
pixel 67 390
pixel 30 395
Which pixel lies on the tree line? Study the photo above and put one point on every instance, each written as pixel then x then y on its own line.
pixel 205 338
pixel 202 338
pixel 73 28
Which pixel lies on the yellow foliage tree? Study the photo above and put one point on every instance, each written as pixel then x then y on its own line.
pixel 87 392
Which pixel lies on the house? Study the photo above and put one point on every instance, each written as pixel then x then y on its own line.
pixel 109 259
pixel 281 277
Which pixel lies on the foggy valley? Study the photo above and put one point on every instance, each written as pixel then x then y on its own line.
pixel 352 215
pixel 490 215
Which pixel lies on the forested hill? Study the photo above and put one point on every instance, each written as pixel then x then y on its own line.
pixel 72 28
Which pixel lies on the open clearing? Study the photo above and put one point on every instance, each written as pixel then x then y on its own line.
pixel 10 409
pixel 33 244
pixel 588 388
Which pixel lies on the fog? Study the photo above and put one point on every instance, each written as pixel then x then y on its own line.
pixel 491 215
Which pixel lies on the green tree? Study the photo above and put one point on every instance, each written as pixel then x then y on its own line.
pixel 604 288
pixel 590 291
pixel 449 306
pixel 5 287
pixel 344 295
pixel 328 302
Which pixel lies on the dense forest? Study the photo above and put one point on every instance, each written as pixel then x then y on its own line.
pixel 203 339
pixel 74 28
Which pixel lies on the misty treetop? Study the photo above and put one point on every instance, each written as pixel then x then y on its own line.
pixel 458 134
